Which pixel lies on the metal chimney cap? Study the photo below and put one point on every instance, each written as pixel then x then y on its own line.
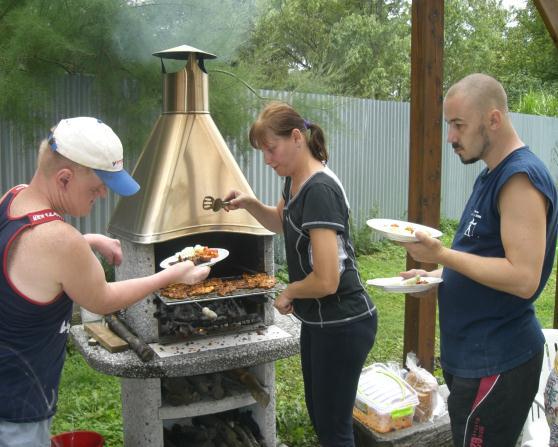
pixel 182 52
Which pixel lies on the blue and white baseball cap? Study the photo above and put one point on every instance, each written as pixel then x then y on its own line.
pixel 91 143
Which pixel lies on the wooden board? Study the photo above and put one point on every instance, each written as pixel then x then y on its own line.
pixel 108 339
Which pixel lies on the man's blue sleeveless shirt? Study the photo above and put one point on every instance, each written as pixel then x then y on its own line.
pixel 484 331
pixel 32 335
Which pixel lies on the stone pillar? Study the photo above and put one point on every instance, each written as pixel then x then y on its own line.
pixel 141 400
pixel 139 261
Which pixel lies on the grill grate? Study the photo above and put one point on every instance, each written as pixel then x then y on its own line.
pixel 239 293
pixel 213 296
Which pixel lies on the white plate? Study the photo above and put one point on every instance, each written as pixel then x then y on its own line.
pixel 396 229
pixel 394 284
pixel 223 253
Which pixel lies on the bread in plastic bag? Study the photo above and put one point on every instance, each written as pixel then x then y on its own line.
pixel 426 386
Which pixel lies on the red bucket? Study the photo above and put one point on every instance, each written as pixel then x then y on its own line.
pixel 78 439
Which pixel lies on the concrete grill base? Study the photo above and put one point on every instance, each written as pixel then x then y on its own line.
pixel 143 411
pixel 128 364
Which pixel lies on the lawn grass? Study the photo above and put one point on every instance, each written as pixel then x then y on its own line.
pixel 91 400
pixel 88 400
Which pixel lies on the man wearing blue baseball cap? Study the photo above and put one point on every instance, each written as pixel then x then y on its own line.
pixel 91 143
pixel 47 265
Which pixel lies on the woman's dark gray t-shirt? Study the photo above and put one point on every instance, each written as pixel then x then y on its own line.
pixel 321 202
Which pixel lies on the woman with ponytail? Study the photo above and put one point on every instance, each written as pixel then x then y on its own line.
pixel 338 319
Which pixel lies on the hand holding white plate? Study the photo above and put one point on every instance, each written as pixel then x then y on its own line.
pixel 400 285
pixel 398 230
pixel 171 260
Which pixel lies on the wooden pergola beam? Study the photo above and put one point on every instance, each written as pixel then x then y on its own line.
pixel 425 161
pixel 548 9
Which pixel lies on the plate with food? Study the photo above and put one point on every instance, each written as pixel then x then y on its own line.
pixel 410 285
pixel 398 230
pixel 198 254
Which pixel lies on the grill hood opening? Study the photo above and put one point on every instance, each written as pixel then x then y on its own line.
pixel 184 159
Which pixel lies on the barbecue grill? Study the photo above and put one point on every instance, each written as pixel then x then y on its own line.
pixel 184 159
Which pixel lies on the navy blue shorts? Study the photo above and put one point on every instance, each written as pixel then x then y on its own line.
pixel 491 411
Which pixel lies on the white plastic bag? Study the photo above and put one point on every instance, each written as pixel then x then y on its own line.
pixel 426 386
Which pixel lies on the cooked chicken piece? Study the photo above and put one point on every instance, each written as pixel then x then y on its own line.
pixel 219 286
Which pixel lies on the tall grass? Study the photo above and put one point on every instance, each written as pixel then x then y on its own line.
pixel 538 103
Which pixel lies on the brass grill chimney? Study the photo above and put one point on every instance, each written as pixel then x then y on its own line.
pixel 184 159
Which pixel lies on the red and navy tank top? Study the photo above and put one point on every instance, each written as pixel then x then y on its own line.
pixel 33 335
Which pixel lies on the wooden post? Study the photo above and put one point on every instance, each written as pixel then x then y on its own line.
pixel 548 9
pixel 427 43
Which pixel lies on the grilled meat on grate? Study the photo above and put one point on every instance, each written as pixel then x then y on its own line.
pixel 221 287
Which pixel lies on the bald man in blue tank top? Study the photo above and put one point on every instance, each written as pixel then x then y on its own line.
pixel 491 343
pixel 47 264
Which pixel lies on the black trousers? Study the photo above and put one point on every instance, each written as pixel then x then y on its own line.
pixel 332 359
pixel 491 411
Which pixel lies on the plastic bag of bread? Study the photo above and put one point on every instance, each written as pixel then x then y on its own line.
pixel 426 386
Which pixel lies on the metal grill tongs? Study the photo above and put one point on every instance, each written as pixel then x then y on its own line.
pixel 210 203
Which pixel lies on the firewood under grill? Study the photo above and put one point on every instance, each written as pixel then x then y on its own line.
pixel 230 429
pixel 186 319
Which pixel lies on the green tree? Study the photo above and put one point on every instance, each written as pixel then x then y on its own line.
pixel 362 48
pixel 530 61
pixel 474 38
pixel 112 41
pixel 41 40
pixel 514 46
pixel 334 46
